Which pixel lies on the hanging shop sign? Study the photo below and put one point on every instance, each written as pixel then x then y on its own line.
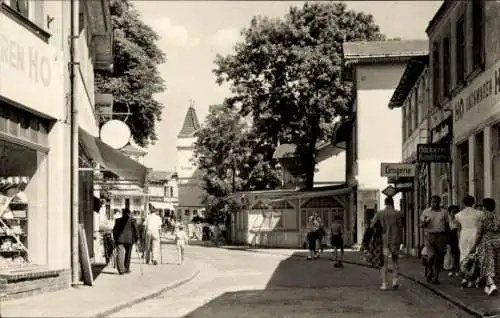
pixel 434 152
pixel 477 102
pixel 397 170
pixel 403 187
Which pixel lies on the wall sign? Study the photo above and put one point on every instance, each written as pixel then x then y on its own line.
pixel 477 102
pixel 435 152
pixel 397 170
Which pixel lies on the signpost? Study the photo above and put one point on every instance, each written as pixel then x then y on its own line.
pixel 397 170
pixel 390 191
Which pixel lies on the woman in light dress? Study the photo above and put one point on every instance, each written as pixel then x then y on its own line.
pixel 468 220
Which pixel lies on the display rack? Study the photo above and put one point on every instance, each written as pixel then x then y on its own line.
pixel 13 222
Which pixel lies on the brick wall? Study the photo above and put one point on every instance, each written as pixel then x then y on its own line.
pixel 18 285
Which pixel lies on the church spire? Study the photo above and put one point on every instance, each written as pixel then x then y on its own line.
pixel 191 123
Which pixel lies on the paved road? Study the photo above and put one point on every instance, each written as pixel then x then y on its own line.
pixel 243 284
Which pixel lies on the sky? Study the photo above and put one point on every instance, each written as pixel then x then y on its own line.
pixel 192 33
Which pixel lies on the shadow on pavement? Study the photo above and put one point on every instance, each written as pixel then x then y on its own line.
pixel 313 288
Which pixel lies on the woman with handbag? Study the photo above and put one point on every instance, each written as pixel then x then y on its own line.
pixel 487 246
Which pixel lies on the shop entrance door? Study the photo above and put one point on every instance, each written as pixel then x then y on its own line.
pixel 495 167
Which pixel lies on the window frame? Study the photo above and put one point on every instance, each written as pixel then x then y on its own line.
pixel 446 65
pixel 478 31
pixel 436 72
pixel 460 50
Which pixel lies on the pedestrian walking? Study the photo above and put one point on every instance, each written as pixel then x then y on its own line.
pixel 125 235
pixel 181 241
pixel 435 222
pixel 487 246
pixel 468 221
pixel 313 236
pixel 152 226
pixel 453 240
pixel 337 241
pixel 391 222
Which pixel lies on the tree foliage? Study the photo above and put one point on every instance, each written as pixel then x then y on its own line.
pixel 225 145
pixel 287 74
pixel 135 78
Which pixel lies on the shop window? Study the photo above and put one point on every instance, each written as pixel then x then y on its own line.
pixel 477 33
pixel 187 212
pixel 436 74
pixel 463 172
pixel 137 202
pixel 117 201
pixel 444 184
pixel 23 221
pixel 171 192
pixel 460 54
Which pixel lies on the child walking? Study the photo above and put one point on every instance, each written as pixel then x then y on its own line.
pixel 337 241
pixel 181 241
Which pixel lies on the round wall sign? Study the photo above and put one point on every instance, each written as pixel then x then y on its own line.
pixel 115 133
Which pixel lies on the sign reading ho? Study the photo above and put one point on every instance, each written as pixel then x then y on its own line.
pixel 397 170
pixel 433 152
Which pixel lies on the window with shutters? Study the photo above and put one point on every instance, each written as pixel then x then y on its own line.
pixel 477 33
pixel 436 79
pixel 460 50
pixel 446 66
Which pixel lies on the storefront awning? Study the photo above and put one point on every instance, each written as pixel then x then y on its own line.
pixel 112 160
pixel 162 205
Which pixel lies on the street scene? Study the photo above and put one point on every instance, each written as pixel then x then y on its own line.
pixel 249 159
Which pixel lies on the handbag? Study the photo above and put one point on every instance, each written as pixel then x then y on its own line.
pixel 448 259
pixel 470 267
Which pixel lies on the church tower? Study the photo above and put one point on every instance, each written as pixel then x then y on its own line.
pixel 190 191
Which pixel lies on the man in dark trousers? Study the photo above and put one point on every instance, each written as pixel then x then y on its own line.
pixel 125 234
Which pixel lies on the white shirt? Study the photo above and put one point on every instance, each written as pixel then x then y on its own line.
pixel 153 223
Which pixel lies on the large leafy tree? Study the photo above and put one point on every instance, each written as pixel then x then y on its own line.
pixel 231 157
pixel 135 78
pixel 287 74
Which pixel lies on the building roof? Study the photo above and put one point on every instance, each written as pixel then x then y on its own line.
pixel 412 72
pixel 383 51
pixel 130 149
pixel 191 123
pixel 439 15
pixel 159 176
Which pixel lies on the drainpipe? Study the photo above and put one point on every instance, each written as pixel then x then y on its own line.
pixel 75 261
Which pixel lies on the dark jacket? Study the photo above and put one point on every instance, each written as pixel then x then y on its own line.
pixel 125 230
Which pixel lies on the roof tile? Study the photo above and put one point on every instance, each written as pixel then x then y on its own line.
pixel 385 48
pixel 191 123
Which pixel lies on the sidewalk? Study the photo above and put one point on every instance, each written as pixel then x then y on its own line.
pixel 472 300
pixel 111 292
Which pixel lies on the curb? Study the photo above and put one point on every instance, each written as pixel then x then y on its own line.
pixel 119 307
pixel 443 295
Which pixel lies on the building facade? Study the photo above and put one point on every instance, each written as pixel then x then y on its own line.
pixel 188 181
pixel 163 191
pixel 465 81
pixel 375 69
pixel 412 96
pixel 35 133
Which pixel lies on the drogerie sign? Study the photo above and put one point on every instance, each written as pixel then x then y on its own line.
pixel 397 170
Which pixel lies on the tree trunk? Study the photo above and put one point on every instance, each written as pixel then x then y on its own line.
pixel 310 165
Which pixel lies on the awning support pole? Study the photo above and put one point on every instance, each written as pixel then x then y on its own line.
pixel 75 260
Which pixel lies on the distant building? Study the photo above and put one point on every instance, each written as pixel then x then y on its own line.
pixel 375 69
pixel 189 183
pixel 163 191
pixel 125 193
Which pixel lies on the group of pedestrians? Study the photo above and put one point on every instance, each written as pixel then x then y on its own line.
pixel 126 233
pixel 468 238
pixel 473 237
pixel 316 236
